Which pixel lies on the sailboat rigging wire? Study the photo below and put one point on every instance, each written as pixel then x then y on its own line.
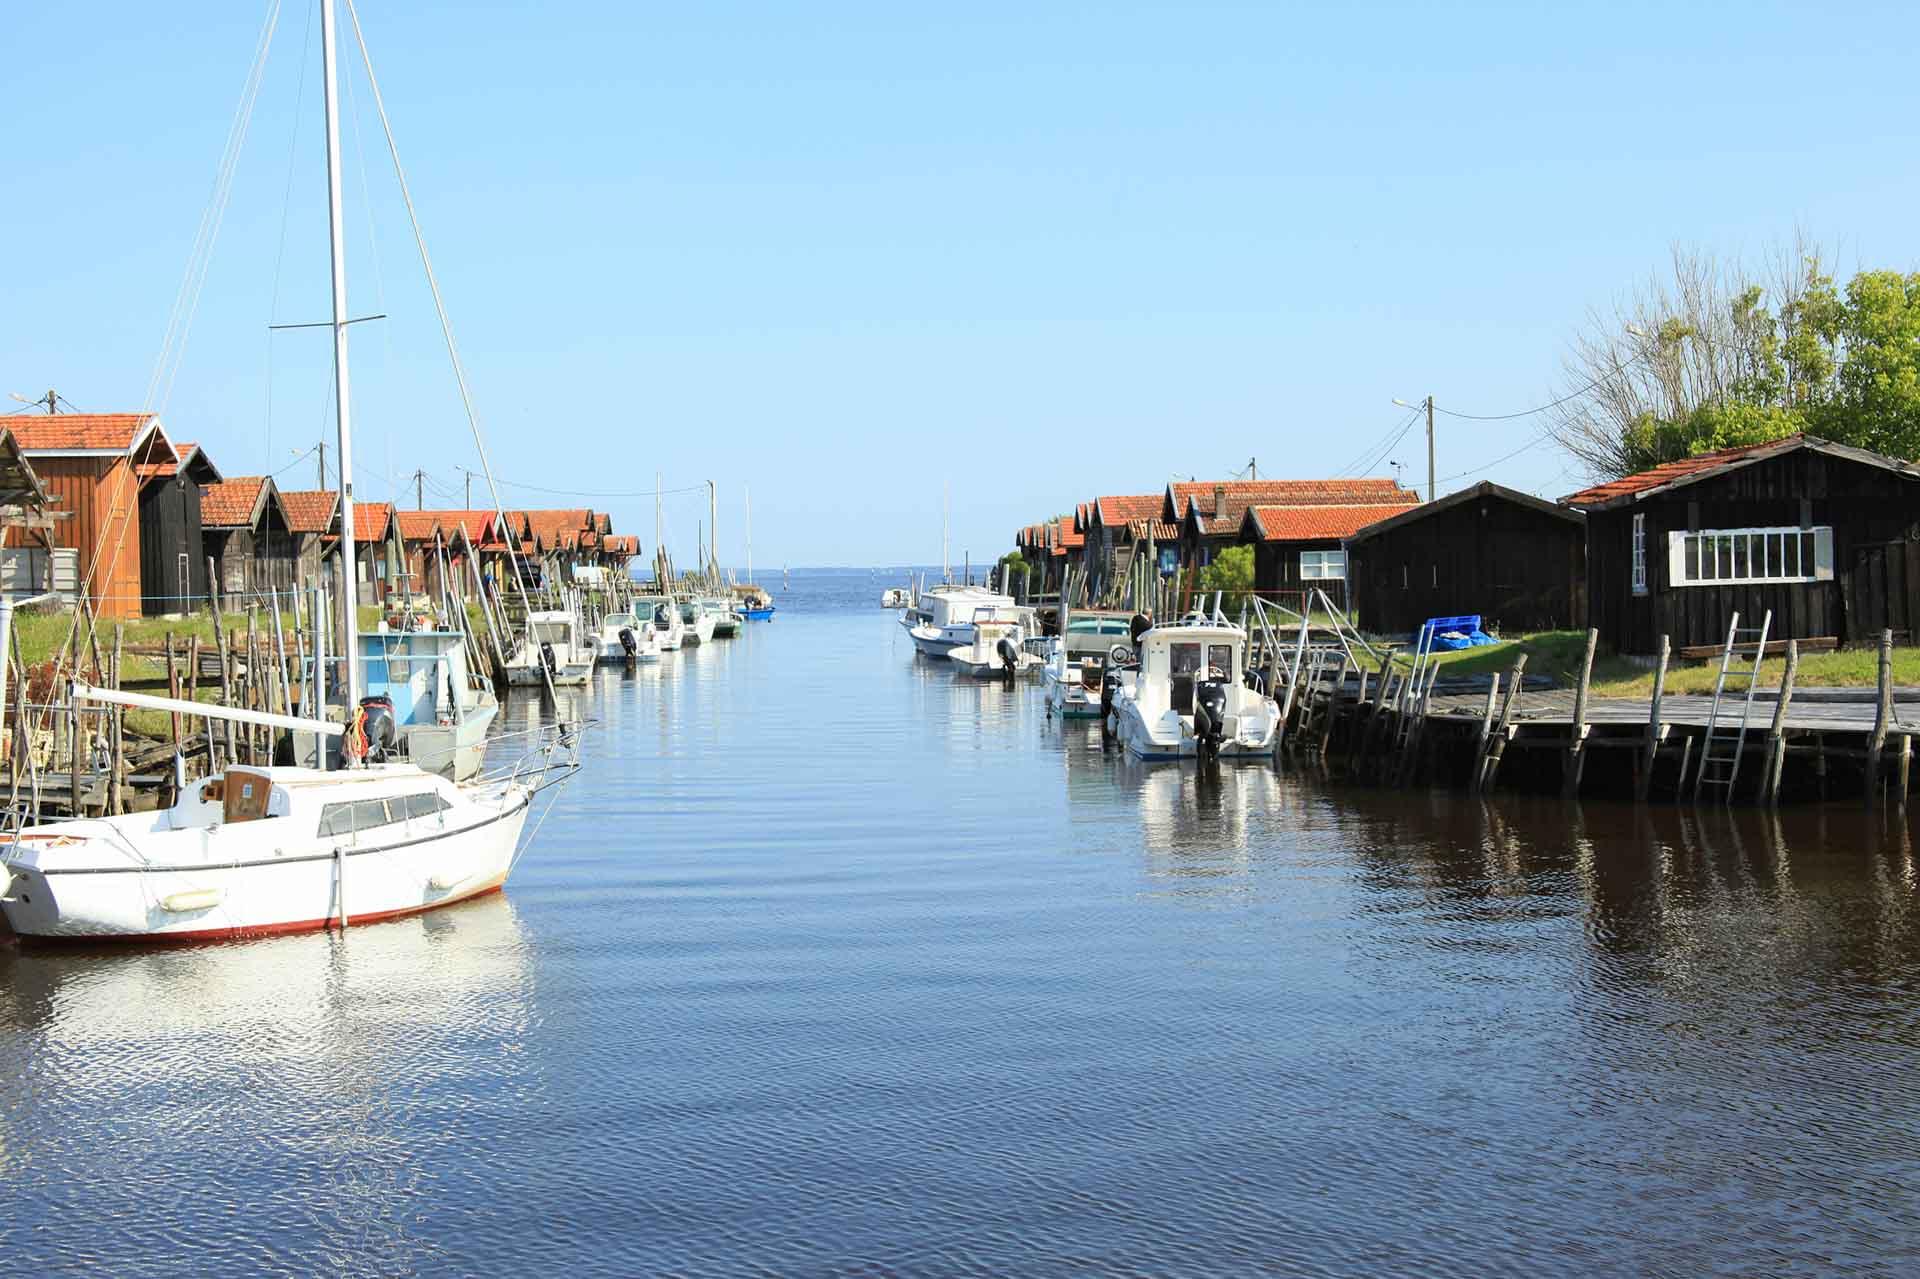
pixel 515 558
pixel 186 304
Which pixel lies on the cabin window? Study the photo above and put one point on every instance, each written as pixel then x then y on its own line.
pixel 1185 659
pixel 1729 557
pixel 1220 661
pixel 1321 566
pixel 367 814
pixel 1640 554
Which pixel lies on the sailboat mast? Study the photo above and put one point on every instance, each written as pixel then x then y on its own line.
pixel 659 552
pixel 749 497
pixel 946 518
pixel 713 531
pixel 337 248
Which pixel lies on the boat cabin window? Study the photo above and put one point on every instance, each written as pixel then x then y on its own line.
pixel 552 632
pixel 1219 661
pixel 367 814
pixel 1184 663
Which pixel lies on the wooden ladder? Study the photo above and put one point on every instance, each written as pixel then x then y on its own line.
pixel 1726 738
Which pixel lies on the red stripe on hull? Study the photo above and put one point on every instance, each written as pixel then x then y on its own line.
pixel 254 934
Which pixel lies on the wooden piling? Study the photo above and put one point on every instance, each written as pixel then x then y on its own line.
pixel 226 657
pixel 1484 732
pixel 1776 732
pixel 76 739
pixel 117 761
pixel 173 691
pixel 1333 701
pixel 1577 744
pixel 1650 743
pixel 1882 713
pixel 1497 748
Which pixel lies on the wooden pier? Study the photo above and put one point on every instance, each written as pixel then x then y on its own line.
pixel 1397 725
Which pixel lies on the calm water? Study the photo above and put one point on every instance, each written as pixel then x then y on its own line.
pixel 830 964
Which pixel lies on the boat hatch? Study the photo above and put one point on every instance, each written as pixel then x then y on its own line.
pixel 244 795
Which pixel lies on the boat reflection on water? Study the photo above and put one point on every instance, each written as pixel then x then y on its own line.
pixel 210 1068
pixel 981 711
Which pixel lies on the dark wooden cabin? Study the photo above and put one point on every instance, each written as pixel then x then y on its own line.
pixel 1825 535
pixel 1513 559
pixel 246 533
pixel 173 559
pixel 1298 549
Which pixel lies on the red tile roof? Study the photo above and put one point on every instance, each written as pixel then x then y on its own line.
pixel 1115 511
pixel 1319 523
pixel 1158 530
pixel 1237 495
pixel 231 503
pixel 310 510
pixel 1667 473
pixel 551 529
pixel 370 521
pixel 77 432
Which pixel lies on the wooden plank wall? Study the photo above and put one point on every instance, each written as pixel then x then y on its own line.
pixel 103 526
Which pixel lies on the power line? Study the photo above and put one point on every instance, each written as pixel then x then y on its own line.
pixel 1533 443
pixel 1372 456
pixel 535 488
pixel 1554 404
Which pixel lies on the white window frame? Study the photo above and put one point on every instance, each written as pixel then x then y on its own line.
pixel 1640 554
pixel 1729 554
pixel 1327 566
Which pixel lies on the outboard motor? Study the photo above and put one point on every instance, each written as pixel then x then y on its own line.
pixel 547 658
pixel 1140 625
pixel 1009 656
pixel 1210 715
pixel 376 721
pixel 628 642
pixel 1108 688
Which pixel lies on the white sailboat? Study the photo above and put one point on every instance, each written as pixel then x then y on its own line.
pixel 255 851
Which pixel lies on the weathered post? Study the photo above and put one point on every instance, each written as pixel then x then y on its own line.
pixel 117 761
pixel 1577 745
pixel 1333 702
pixel 1777 733
pixel 226 658
pixel 173 691
pixel 1650 744
pixel 1882 713
pixel 1497 748
pixel 76 739
pixel 1485 731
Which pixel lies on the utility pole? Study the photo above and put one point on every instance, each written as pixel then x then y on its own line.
pixel 323 464
pixel 713 522
pixel 469 505
pixel 1429 448
pixel 419 497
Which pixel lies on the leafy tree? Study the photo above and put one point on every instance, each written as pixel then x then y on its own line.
pixel 1700 362
pixel 1232 573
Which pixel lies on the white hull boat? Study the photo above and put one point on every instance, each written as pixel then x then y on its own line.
pixel 259 851
pixel 552 640
pixel 625 638
pixel 995 650
pixel 669 632
pixel 699 623
pixel 945 616
pixel 1186 700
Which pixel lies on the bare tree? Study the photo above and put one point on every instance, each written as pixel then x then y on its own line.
pixel 1693 338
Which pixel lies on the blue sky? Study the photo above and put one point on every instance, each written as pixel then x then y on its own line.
pixel 845 254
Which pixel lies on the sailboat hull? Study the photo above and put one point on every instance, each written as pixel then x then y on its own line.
pixel 60 893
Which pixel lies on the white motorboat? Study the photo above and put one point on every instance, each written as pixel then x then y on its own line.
pixel 257 851
pixel 625 637
pixel 697 621
pixel 553 639
pixel 1187 698
pixel 944 617
pixel 254 851
pixel 895 597
pixel 726 623
pixel 997 649
pixel 1077 662
pixel 669 632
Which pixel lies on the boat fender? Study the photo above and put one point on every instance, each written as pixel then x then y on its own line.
pixel 191 899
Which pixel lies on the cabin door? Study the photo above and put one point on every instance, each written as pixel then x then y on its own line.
pixel 1883 591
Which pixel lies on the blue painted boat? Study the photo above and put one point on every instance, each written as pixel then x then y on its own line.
pixel 755 613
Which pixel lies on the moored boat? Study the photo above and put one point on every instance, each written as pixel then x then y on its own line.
pixel 1187 697
pixel 943 617
pixel 626 637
